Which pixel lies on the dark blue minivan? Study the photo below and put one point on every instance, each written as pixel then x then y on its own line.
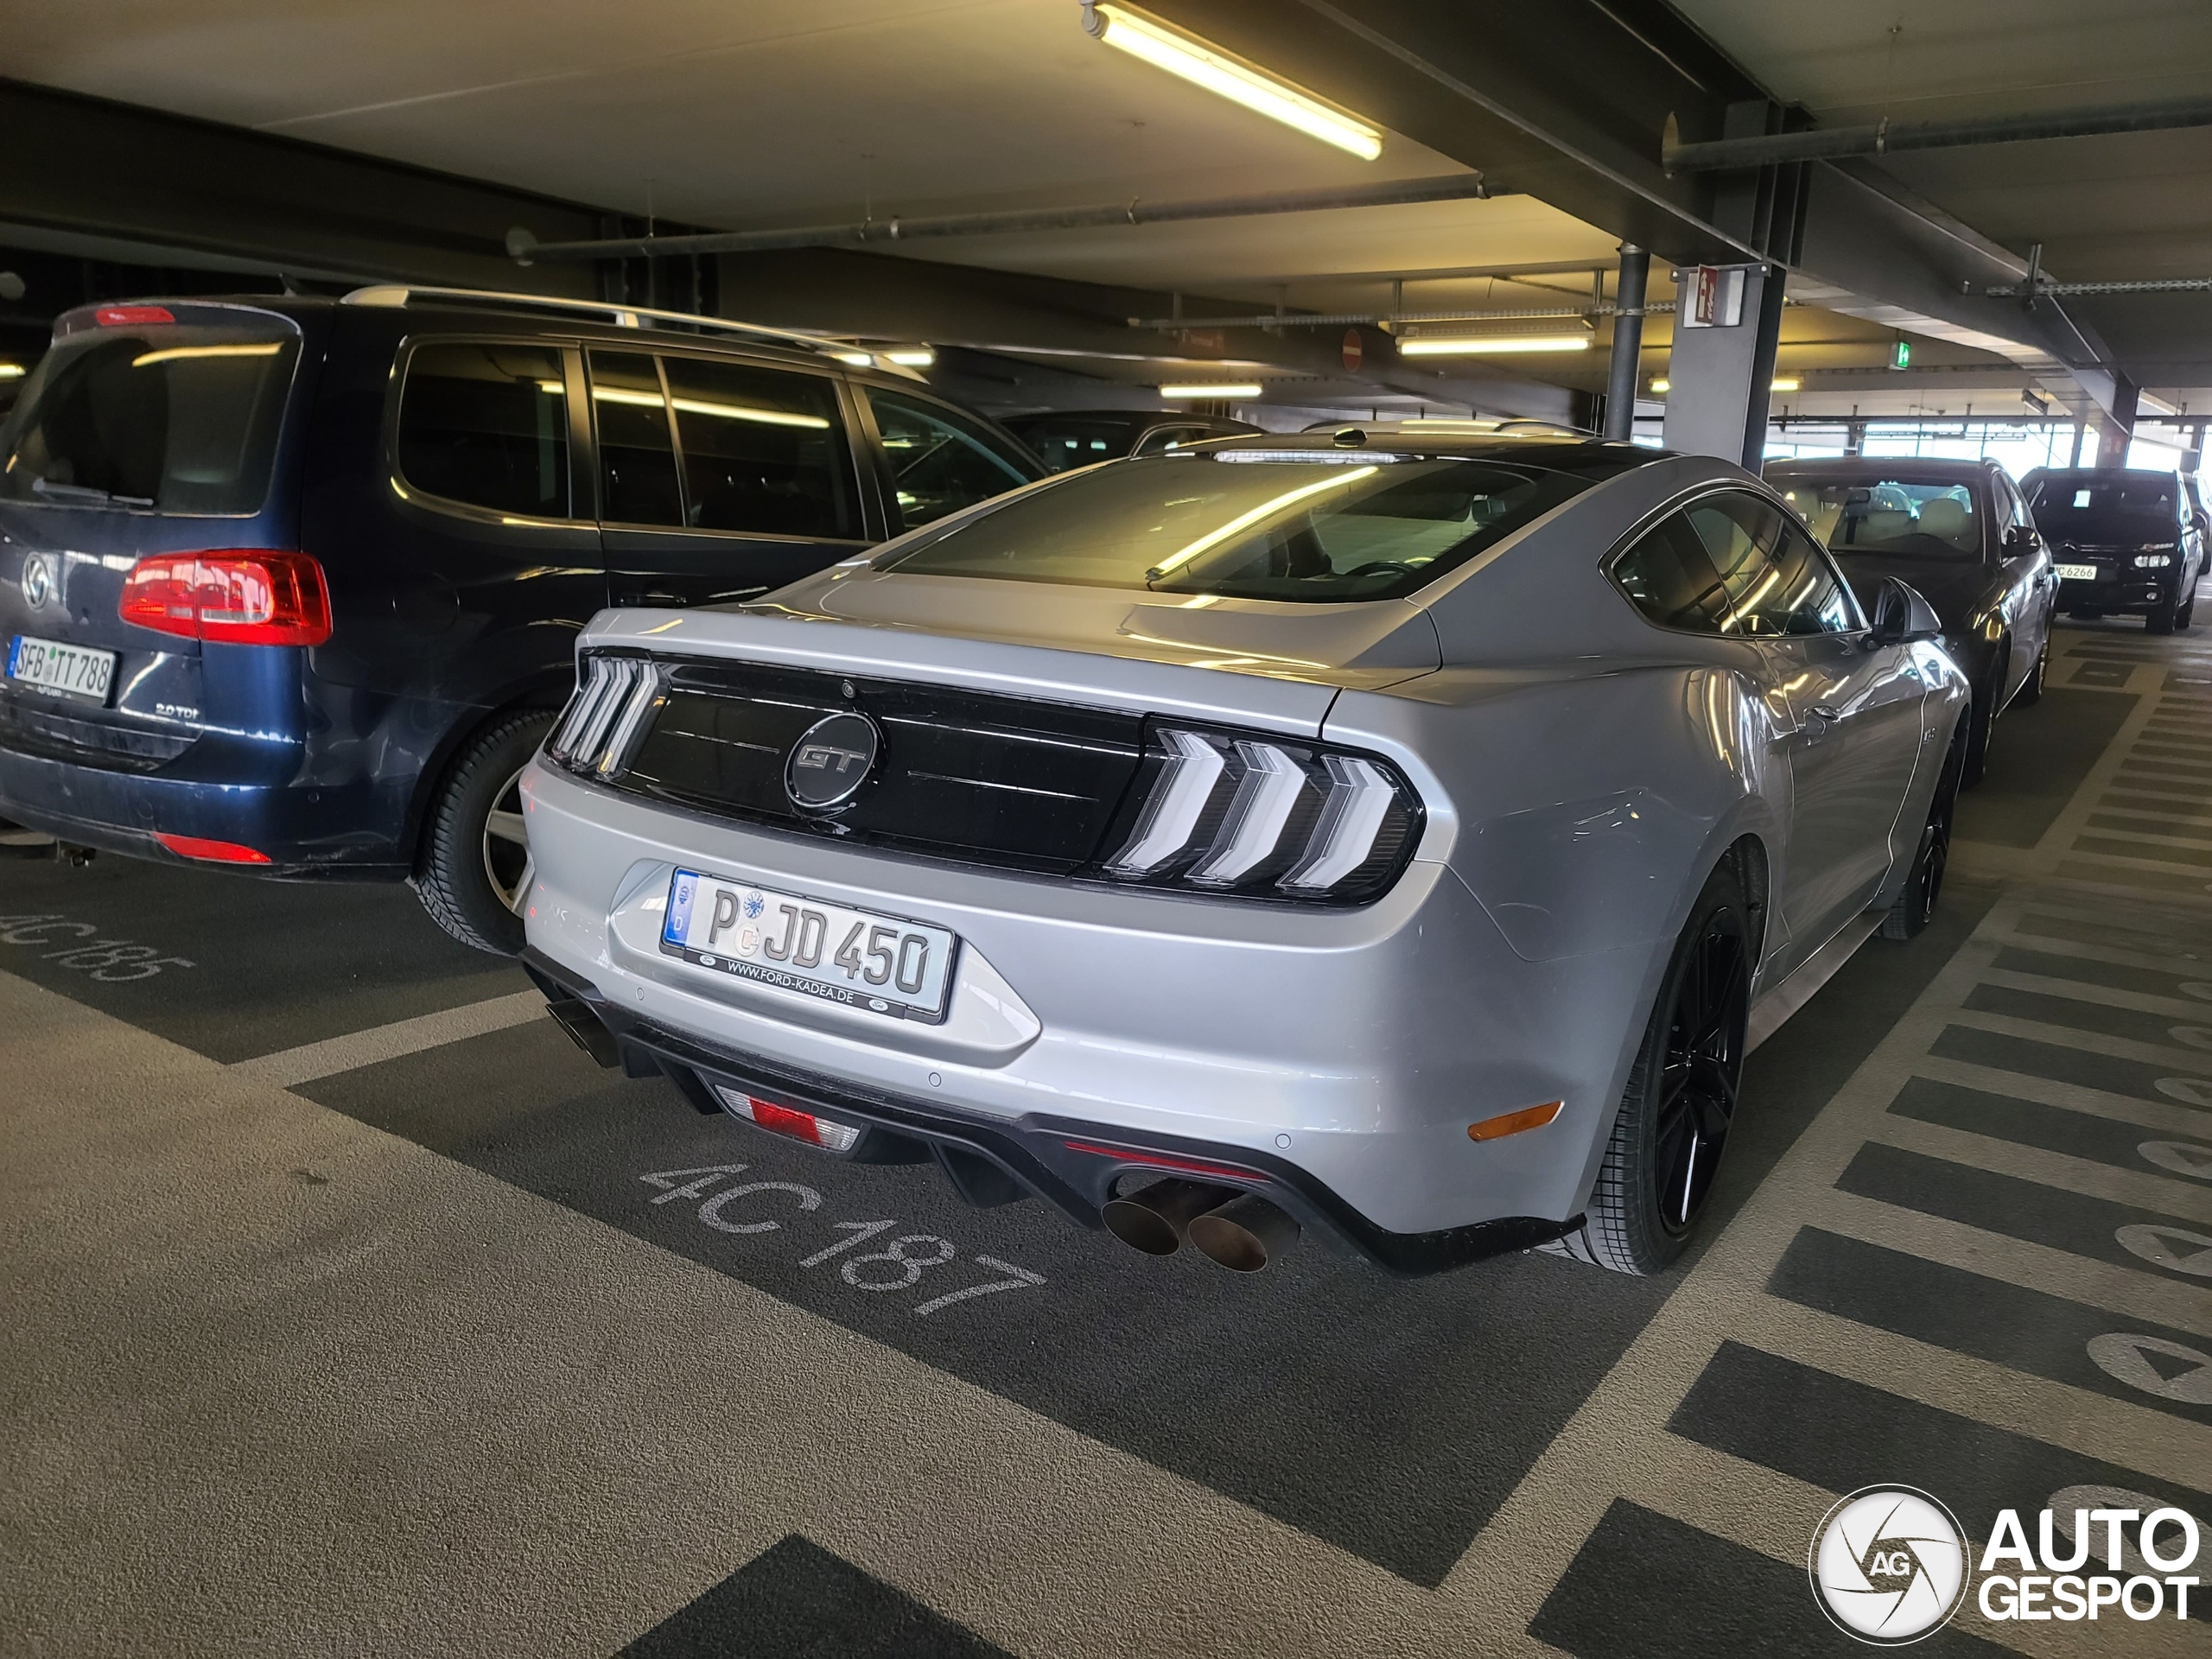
pixel 292 585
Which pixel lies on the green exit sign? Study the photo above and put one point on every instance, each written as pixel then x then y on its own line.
pixel 1901 354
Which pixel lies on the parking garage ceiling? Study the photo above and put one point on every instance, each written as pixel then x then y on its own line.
pixel 744 117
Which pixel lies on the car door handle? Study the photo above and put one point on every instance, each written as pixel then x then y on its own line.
pixel 1826 712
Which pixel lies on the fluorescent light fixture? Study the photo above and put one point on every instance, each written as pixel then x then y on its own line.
pixel 1203 66
pixel 1234 388
pixel 854 360
pixel 910 357
pixel 1782 383
pixel 12 371
pixel 1486 345
pixel 170 354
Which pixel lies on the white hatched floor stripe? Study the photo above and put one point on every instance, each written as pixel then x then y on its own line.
pixel 2103 997
pixel 2141 1437
pixel 2144 1191
pixel 2178 1057
pixel 2171 1117
pixel 2181 1304
pixel 2144 838
pixel 291 1066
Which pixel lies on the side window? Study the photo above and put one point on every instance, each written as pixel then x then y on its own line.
pixel 487 423
pixel 637 461
pixel 1739 532
pixel 939 463
pixel 1810 598
pixel 764 449
pixel 1669 576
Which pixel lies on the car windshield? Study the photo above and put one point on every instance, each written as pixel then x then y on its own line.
pixel 2070 505
pixel 1300 525
pixel 1899 517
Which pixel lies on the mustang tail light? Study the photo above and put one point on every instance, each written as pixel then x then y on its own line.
pixel 786 1121
pixel 1265 817
pixel 240 596
pixel 613 697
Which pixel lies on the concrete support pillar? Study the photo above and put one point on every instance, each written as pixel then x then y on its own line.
pixel 1719 378
pixel 1624 375
pixel 2114 429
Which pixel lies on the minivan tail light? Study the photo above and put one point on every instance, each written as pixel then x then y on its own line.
pixel 236 596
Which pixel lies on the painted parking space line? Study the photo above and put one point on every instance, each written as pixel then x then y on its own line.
pixel 2052 989
pixel 1990 1100
pixel 310 1061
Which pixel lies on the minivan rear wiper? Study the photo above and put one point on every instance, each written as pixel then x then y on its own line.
pixel 87 494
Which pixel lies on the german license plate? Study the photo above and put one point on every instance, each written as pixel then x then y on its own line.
pixel 853 957
pixel 2075 572
pixel 53 666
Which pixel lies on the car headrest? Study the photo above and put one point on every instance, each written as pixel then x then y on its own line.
pixel 1945 515
pixel 1884 524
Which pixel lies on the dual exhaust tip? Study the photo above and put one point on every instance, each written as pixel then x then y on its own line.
pixel 1239 1230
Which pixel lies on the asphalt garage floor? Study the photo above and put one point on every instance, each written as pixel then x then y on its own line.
pixel 349 1308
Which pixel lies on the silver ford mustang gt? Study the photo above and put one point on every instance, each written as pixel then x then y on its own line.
pixel 1375 833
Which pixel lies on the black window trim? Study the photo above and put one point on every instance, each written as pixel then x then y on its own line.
pixel 582 476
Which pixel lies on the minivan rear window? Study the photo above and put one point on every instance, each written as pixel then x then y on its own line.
pixel 177 417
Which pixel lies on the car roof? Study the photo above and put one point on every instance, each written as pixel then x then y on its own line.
pixel 1555 448
pixel 1881 466
pixel 2162 473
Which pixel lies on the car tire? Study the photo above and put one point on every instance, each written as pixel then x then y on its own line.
pixel 1982 716
pixel 2162 617
pixel 2187 614
pixel 473 873
pixel 2030 691
pixel 1672 1127
pixel 1914 906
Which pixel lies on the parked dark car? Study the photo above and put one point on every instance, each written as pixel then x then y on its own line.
pixel 1960 534
pixel 2127 542
pixel 293 585
pixel 1078 438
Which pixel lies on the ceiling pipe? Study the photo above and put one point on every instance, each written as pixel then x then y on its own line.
pixel 1888 138
pixel 525 249
pixel 2045 287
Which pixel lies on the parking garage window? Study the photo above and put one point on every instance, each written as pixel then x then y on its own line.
pixel 939 463
pixel 764 449
pixel 487 423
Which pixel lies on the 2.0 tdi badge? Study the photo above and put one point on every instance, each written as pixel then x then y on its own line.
pixel 830 761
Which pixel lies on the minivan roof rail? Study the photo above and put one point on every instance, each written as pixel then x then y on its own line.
pixel 623 316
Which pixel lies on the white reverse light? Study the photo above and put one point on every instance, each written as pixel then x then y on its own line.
pixel 1205 66
pixel 1359 796
pixel 1193 768
pixel 1265 795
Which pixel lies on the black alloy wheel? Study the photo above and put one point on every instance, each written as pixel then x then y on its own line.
pixel 1914 905
pixel 1701 1071
pixel 1675 1114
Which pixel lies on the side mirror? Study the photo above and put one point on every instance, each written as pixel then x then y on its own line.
pixel 2019 542
pixel 1901 615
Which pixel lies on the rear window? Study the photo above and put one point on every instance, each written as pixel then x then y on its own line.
pixel 1073 441
pixel 166 417
pixel 2073 503
pixel 1250 524
pixel 1896 515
